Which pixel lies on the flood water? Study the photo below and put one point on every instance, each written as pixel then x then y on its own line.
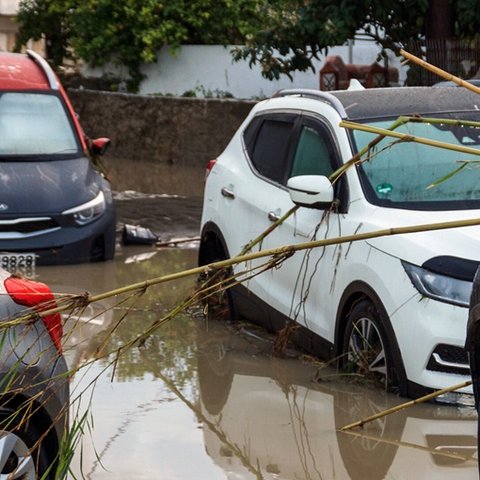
pixel 205 399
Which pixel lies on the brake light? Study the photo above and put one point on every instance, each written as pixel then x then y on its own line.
pixel 210 165
pixel 38 296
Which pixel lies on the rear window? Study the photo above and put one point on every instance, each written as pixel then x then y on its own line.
pixel 34 124
pixel 267 146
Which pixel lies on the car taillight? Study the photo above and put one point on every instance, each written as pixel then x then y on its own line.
pixel 38 296
pixel 210 165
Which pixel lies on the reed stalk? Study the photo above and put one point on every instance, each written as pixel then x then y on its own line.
pixel 284 251
pixel 409 138
pixel 439 72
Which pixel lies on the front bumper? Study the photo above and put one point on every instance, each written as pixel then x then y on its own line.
pixel 431 336
pixel 69 244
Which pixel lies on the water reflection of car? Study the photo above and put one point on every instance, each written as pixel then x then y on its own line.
pixel 392 307
pixel 34 393
pixel 55 207
pixel 264 418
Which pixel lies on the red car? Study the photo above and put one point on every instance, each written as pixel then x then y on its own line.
pixel 55 206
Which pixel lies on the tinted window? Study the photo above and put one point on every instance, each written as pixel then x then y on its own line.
pixel 312 156
pixel 250 135
pixel 269 155
pixel 34 124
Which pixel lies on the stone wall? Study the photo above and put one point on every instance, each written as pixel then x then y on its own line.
pixel 162 130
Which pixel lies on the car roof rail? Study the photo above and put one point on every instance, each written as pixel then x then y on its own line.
pixel 314 94
pixel 47 69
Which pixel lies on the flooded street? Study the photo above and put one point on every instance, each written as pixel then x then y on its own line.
pixel 202 399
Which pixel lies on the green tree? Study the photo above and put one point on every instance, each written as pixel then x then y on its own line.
pixel 130 32
pixel 45 19
pixel 298 31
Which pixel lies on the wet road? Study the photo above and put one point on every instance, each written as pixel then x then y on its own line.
pixel 204 399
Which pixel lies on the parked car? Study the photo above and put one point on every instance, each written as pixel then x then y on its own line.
pixel 394 308
pixel 55 206
pixel 34 398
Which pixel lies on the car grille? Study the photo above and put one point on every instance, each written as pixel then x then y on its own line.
pixel 26 227
pixel 449 359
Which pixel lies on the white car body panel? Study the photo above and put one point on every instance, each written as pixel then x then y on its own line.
pixel 309 286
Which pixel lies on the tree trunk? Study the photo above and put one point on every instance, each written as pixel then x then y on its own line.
pixel 439 28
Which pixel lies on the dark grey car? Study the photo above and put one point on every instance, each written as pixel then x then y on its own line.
pixel 34 395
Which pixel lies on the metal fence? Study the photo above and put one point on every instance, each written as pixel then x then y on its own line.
pixel 460 58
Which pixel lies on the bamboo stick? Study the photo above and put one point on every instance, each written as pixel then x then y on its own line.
pixel 441 121
pixel 440 72
pixel 409 138
pixel 285 251
pixel 410 403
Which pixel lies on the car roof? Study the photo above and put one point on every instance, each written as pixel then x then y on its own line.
pixel 393 102
pixel 20 71
pixel 376 103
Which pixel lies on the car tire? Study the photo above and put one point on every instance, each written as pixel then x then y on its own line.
pixel 367 348
pixel 19 446
pixel 220 304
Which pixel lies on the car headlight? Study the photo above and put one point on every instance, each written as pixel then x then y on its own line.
pixel 439 287
pixel 87 212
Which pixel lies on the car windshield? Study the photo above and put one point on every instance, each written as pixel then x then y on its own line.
pixel 407 174
pixel 34 124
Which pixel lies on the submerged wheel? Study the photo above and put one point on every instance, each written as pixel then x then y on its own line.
pixel 212 250
pixel 20 455
pixel 367 349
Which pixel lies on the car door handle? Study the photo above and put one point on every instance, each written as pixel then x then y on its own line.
pixel 227 193
pixel 273 217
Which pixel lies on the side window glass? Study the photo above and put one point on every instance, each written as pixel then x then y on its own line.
pixel 269 155
pixel 250 134
pixel 312 156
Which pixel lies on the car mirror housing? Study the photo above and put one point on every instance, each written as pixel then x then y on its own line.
pixel 311 191
pixel 99 146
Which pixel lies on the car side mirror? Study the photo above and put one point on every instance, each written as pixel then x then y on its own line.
pixel 99 146
pixel 311 191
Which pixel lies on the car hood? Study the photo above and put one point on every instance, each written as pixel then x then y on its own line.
pixel 417 248
pixel 46 187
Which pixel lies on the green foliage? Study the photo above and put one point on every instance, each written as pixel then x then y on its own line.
pixel 298 31
pixel 45 19
pixel 131 32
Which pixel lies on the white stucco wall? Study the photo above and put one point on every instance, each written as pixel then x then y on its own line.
pixel 9 7
pixel 210 68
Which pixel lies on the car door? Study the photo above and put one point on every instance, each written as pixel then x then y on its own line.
pixel 301 288
pixel 267 142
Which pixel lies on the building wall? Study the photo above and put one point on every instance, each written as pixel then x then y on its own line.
pixel 8 28
pixel 210 69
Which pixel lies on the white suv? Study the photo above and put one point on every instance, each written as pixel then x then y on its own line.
pixel 393 307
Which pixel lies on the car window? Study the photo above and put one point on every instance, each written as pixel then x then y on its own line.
pixel 269 153
pixel 312 156
pixel 34 124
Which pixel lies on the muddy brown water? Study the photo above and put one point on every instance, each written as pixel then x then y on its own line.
pixel 204 399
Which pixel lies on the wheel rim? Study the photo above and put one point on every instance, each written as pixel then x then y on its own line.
pixel 16 460
pixel 366 350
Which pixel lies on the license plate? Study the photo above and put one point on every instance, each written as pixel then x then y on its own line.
pixel 22 263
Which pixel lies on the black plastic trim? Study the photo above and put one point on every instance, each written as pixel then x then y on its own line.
pixel 455 267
